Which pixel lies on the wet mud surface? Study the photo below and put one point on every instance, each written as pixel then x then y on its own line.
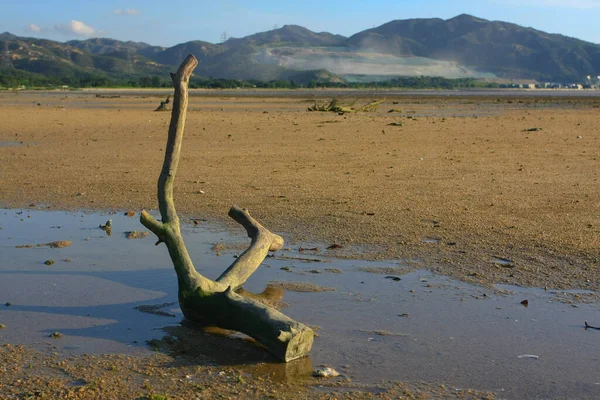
pixel 417 328
pixel 453 183
pixel 445 192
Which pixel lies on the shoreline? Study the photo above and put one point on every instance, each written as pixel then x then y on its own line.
pixel 478 93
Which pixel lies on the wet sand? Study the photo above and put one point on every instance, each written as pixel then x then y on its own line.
pixel 464 180
pixel 376 321
pixel 484 190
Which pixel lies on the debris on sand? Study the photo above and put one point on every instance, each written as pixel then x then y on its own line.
pixel 156 309
pixel 385 270
pixel 54 245
pixel 2 326
pixel 55 335
pixel 59 244
pixel 334 270
pixel 588 326
pixel 383 333
pixel 302 287
pixel 325 372
pixel 165 105
pixel 504 262
pixel 302 259
pixel 335 246
pixel 338 107
pixel 129 214
pixel 136 234
pixel 532 356
pixel 218 248
pixel 49 262
pixel 107 227
pixel 107 96
pixel 394 278
pixel 303 249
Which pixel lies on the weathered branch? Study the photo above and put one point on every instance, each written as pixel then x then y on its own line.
pixel 285 338
pixel 337 106
pixel 173 149
pixel 588 326
pixel 201 299
pixel 156 227
pixel 168 231
pixel 263 241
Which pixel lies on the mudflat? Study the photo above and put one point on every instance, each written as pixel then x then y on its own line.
pixel 483 189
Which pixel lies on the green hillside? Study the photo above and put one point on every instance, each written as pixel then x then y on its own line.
pixel 463 47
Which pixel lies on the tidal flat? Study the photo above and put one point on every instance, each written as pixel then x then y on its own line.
pixel 440 189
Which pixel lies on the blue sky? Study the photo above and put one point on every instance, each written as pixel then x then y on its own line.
pixel 175 21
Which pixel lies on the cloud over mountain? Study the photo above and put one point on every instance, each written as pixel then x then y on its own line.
pixel 33 28
pixel 461 47
pixel 75 27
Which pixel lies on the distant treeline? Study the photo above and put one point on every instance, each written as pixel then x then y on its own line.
pixel 13 78
pixel 420 82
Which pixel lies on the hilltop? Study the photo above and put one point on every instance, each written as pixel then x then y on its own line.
pixel 461 47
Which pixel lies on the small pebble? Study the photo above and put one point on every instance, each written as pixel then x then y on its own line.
pixel 532 356
pixel 325 372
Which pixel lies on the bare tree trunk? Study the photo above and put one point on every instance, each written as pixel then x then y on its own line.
pixel 215 303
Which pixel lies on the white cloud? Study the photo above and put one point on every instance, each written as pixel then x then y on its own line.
pixel 33 28
pixel 127 11
pixel 76 28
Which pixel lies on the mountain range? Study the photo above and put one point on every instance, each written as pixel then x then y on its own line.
pixel 460 47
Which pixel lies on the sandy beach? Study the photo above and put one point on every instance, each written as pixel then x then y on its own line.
pixel 484 190
pixel 459 182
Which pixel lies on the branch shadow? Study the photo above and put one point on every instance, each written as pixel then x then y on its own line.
pixel 187 342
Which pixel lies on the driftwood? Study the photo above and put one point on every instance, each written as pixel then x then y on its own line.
pixel 165 105
pixel 216 303
pixel 338 107
pixel 588 326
